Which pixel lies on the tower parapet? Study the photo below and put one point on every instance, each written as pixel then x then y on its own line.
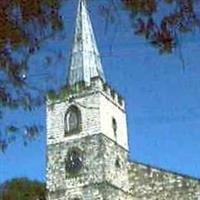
pixel 114 95
pixel 81 88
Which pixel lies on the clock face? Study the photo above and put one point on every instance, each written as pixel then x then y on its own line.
pixel 74 160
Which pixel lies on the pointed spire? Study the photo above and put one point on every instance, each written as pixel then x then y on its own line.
pixel 85 59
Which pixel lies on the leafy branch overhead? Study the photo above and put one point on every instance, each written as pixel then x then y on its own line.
pixel 24 25
pixel 161 28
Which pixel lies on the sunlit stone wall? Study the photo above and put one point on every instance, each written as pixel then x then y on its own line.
pixel 154 184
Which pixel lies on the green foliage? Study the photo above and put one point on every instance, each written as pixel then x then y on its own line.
pixel 22 189
pixel 162 29
pixel 24 26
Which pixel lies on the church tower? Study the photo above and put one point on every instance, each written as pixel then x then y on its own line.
pixel 87 148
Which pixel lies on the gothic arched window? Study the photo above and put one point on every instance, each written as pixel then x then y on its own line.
pixel 72 120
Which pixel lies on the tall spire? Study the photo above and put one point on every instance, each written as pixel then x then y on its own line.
pixel 85 59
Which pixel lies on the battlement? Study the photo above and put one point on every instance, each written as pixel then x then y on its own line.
pixel 109 91
pixel 80 88
pixel 115 96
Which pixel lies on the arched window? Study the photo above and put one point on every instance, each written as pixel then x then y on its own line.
pixel 74 160
pixel 72 120
pixel 114 126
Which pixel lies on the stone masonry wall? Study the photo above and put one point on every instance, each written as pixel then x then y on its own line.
pixel 103 191
pixel 92 172
pixel 97 107
pixel 88 104
pixel 154 184
pixel 99 176
pixel 115 164
pixel 105 155
pixel 109 110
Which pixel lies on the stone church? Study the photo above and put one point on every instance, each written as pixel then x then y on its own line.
pixel 87 140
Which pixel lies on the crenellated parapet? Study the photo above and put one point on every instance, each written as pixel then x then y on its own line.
pixel 81 88
pixel 98 84
pixel 114 95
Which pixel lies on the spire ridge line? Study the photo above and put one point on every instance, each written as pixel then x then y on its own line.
pixel 85 58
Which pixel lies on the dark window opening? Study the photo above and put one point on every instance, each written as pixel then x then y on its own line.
pixel 114 126
pixel 72 120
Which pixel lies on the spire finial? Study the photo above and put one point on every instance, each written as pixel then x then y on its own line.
pixel 85 59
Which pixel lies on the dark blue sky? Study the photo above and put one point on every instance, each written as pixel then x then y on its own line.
pixel 163 100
